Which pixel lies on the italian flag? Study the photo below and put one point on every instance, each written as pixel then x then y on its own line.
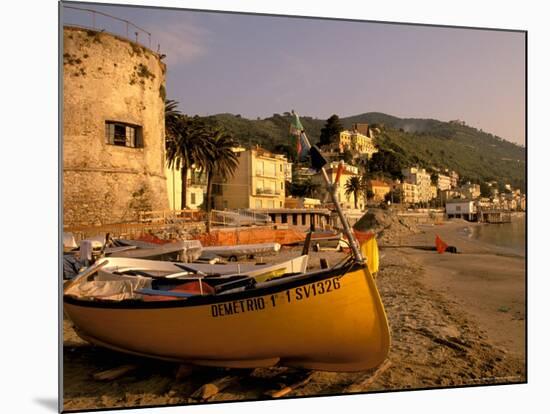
pixel 296 129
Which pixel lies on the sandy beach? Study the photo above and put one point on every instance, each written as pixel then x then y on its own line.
pixel 455 319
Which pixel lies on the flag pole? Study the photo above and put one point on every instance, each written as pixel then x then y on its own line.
pixel 331 187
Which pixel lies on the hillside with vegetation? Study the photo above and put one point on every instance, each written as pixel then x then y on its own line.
pixel 476 155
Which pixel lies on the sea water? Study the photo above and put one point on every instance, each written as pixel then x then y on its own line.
pixel 508 235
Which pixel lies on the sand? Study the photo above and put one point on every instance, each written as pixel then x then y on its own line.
pixel 455 319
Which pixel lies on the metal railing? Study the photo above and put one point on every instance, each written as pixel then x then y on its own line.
pixel 128 25
pixel 267 191
pixel 170 216
pixel 238 218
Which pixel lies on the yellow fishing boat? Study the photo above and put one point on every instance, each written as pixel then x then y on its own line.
pixel 331 319
pixel 328 320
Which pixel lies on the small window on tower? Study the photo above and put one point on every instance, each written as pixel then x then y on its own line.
pixel 123 135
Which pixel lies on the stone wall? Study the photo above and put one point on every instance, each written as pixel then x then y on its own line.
pixel 107 78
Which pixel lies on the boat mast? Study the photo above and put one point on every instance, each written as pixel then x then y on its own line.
pixel 331 187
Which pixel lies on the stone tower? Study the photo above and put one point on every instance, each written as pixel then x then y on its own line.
pixel 113 129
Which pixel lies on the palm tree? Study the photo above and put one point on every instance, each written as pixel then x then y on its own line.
pixel 355 187
pixel 171 114
pixel 186 146
pixel 221 163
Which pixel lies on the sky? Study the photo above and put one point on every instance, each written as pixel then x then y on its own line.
pixel 256 66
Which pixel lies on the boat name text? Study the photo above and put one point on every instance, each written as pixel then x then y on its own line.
pixel 258 304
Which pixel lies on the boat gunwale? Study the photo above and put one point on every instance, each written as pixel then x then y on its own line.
pixel 198 300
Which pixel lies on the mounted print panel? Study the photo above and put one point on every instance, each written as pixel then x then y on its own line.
pixel 259 207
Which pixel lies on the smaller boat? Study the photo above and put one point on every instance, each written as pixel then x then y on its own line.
pixel 89 250
pixel 121 278
pixel 182 251
pixel 174 270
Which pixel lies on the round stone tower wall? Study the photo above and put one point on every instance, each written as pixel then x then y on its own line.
pixel 113 129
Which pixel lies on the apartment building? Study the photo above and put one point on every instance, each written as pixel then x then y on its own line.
pixel 358 140
pixel 408 192
pixel 470 190
pixel 379 189
pixel 196 188
pixel 258 182
pixel 453 175
pixel 443 182
pixel 347 201
pixel 420 178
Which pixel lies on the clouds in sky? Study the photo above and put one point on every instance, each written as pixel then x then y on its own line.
pixel 182 42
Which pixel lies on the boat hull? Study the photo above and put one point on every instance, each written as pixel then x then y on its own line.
pixel 328 321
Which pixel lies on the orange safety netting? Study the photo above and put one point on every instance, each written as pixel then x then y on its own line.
pixel 147 237
pixel 251 236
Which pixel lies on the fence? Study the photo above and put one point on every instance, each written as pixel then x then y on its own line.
pixel 171 216
pixel 133 230
pixel 250 235
pixel 170 221
pixel 126 27
pixel 238 218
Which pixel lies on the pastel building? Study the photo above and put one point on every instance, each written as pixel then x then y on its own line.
pixel 358 140
pixel 420 178
pixel 470 190
pixel 347 201
pixel 408 192
pixel 258 182
pixel 196 188
pixel 379 189
pixel 302 202
pixel 443 182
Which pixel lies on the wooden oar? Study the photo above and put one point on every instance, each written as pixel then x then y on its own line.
pixel 192 270
pixel 88 272
pixel 307 243
pixel 154 292
pixel 244 282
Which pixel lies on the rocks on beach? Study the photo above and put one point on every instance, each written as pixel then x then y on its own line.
pixel 388 227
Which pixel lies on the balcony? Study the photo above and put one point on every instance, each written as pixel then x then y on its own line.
pixel 267 192
pixel 196 182
pixel 262 173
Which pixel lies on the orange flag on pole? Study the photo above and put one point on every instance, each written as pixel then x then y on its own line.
pixel 339 172
pixel 440 245
pixel 363 236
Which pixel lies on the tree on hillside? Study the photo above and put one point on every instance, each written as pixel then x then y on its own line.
pixel 347 156
pixel 285 149
pixel 331 130
pixel 387 162
pixel 434 177
pixel 186 146
pixel 365 185
pixel 484 189
pixel 394 196
pixel 363 165
pixel 305 188
pixel 221 162
pixel 355 187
